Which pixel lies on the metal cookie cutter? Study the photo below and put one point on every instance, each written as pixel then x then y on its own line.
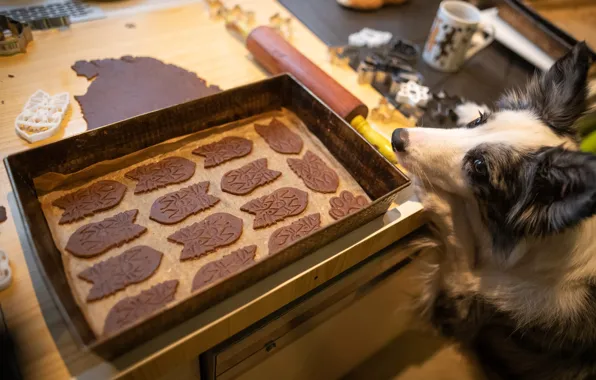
pixel 14 36
pixel 5 272
pixel 341 55
pixel 282 25
pixel 385 112
pixel 408 51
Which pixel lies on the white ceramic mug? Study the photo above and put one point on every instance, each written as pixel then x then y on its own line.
pixel 456 35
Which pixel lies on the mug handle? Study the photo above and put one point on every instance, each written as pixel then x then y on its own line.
pixel 475 48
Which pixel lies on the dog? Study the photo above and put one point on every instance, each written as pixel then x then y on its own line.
pixel 511 201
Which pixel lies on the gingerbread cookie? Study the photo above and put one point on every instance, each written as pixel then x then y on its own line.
pixel 162 173
pixel 282 237
pixel 224 150
pixel 95 238
pixel 213 232
pixel 179 205
pixel 100 196
pixel 346 204
pixel 130 309
pixel 245 179
pixel 279 137
pixel 224 267
pixel 277 206
pixel 315 173
pixel 116 273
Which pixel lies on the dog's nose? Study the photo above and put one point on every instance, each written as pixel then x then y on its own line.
pixel 399 140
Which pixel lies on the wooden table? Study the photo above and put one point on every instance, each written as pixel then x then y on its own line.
pixel 184 36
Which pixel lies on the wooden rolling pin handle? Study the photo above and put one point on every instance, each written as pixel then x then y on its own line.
pixel 274 53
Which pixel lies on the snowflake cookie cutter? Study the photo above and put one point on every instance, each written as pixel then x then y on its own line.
pixel 5 271
pixel 42 115
pixel 412 93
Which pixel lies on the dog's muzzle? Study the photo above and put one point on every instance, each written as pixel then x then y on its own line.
pixel 399 140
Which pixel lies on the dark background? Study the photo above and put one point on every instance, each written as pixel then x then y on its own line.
pixel 482 79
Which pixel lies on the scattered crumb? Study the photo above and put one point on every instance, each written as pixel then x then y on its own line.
pixel 10 76
pixel 130 25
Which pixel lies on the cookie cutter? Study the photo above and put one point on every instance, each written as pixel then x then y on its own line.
pixel 341 55
pixel 440 110
pixel 369 37
pixel 5 271
pixel 14 36
pixel 406 50
pixel 217 10
pixel 385 112
pixel 41 116
pixel 414 94
pixel 282 25
pixel 366 73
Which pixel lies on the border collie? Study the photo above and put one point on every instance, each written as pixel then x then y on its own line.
pixel 512 201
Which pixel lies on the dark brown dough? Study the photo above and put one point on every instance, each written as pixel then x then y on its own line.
pixel 315 173
pixel 2 214
pixel 213 232
pixel 95 238
pixel 277 206
pixel 224 267
pixel 130 309
pixel 283 237
pixel 179 205
pixel 116 273
pixel 346 204
pixel 161 173
pixel 224 150
pixel 279 137
pixel 100 196
pixel 245 179
pixel 132 86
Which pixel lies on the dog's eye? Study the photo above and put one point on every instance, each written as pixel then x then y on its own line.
pixel 479 121
pixel 480 166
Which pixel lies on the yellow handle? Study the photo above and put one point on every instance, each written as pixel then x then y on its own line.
pixel 383 145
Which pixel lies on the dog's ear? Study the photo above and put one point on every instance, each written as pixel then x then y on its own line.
pixel 562 192
pixel 558 97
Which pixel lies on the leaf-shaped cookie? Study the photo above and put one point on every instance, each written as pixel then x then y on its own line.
pixel 179 205
pixel 315 173
pixel 277 206
pixel 224 267
pixel 131 309
pixel 346 204
pixel 217 230
pixel 95 238
pixel 100 196
pixel 162 173
pixel 284 236
pixel 224 150
pixel 116 273
pixel 245 179
pixel 279 137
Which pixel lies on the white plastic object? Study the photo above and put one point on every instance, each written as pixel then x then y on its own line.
pixel 41 116
pixel 369 37
pixel 414 94
pixel 5 272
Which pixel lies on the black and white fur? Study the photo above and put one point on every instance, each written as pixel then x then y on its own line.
pixel 512 201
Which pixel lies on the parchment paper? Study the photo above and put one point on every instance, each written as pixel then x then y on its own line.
pixel 52 186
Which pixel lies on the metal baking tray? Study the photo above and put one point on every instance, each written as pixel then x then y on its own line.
pixel 378 178
pixel 554 41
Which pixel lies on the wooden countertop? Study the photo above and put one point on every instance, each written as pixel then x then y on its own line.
pixel 184 36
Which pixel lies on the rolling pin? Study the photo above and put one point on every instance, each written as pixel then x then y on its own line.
pixel 277 56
